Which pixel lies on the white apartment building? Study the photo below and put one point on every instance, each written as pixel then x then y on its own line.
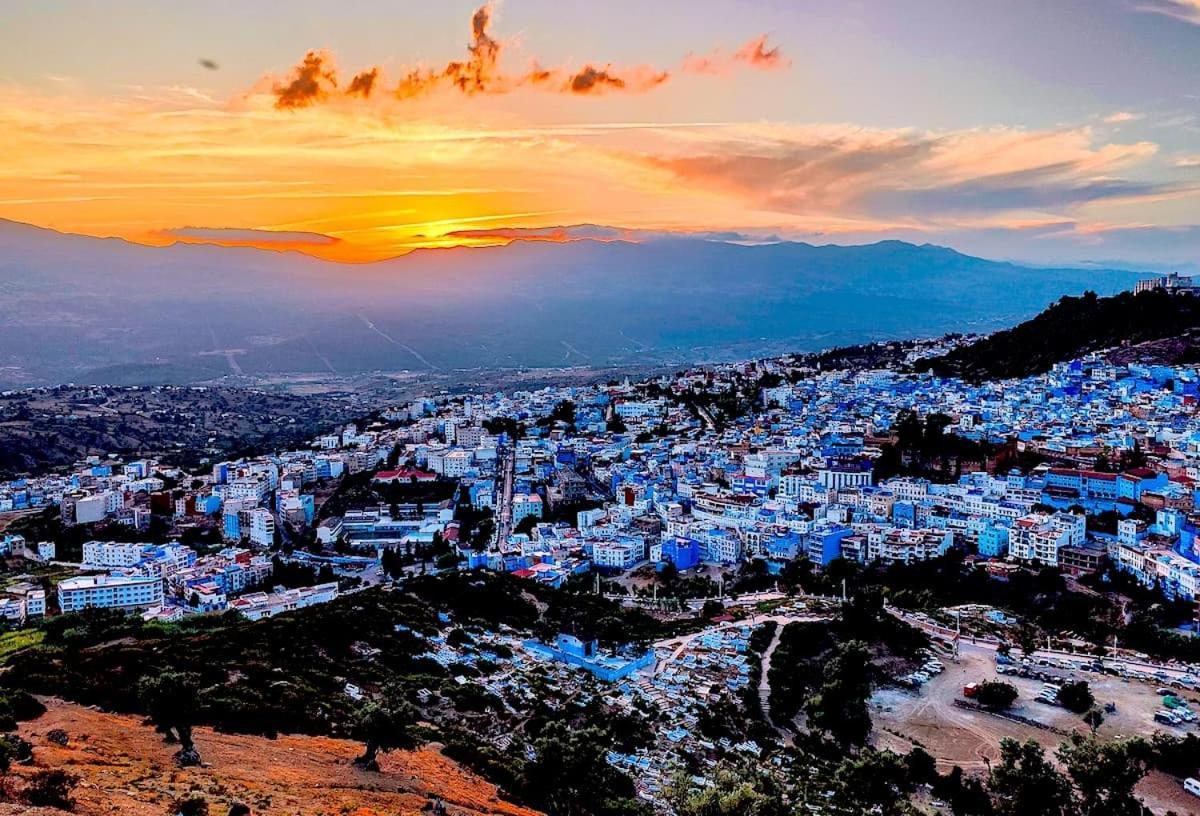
pixel 91 509
pixel 111 554
pixel 254 488
pixel 262 527
pixel 1036 537
pixel 1177 576
pixel 258 605
pixel 802 488
pixel 110 592
pixel 837 476
pixel 898 544
pixel 616 554
pixel 637 410
pixel 455 463
pixel 908 488
pixel 35 603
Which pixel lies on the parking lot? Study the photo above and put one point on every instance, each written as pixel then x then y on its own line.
pixel 929 717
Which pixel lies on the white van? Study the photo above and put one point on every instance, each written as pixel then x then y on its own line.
pixel 1192 786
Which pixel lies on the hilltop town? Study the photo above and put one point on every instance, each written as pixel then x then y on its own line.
pixel 670 565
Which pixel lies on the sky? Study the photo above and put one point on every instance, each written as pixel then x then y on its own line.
pixel 1063 132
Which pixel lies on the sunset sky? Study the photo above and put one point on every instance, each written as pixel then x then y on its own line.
pixel 1047 132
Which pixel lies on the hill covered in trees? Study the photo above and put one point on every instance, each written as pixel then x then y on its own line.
pixel 1073 326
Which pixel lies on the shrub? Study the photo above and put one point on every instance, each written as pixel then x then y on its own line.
pixel 13 749
pixel 18 706
pixel 1076 697
pixel 996 695
pixel 193 805
pixel 51 789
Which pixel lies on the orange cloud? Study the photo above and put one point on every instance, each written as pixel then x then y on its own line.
pixel 882 174
pixel 754 54
pixel 315 79
pixel 1186 10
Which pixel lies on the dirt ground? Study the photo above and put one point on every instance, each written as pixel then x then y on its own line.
pixel 971 739
pixel 8 517
pixel 125 768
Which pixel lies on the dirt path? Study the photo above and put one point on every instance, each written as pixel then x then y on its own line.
pixel 764 686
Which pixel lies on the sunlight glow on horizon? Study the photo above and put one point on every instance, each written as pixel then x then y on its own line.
pixel 477 157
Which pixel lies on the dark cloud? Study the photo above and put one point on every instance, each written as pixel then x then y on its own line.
pixel 591 79
pixel 599 232
pixel 363 83
pixel 1015 191
pixel 209 64
pixel 310 82
pixel 248 237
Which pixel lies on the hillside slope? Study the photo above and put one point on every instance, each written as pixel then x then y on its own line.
pixel 124 767
pixel 1074 326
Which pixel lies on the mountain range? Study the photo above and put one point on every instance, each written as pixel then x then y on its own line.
pixel 104 310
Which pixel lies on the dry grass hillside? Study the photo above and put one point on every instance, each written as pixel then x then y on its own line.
pixel 125 768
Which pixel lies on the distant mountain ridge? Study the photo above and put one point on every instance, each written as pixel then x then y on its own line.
pixel 74 308
pixel 1075 326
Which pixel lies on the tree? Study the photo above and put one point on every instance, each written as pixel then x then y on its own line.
pixel 921 766
pixel 1135 458
pixel 1076 697
pixel 875 780
pixel 569 775
pixel 996 695
pixel 564 411
pixel 796 575
pixel 966 795
pixel 525 526
pixel 1178 756
pixel 839 706
pixel 1026 784
pixel 170 698
pixel 1028 638
pixel 1106 773
pixel 735 791
pixel 1094 718
pixel 383 725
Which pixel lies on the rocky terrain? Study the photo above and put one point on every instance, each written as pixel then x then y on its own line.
pixel 125 768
